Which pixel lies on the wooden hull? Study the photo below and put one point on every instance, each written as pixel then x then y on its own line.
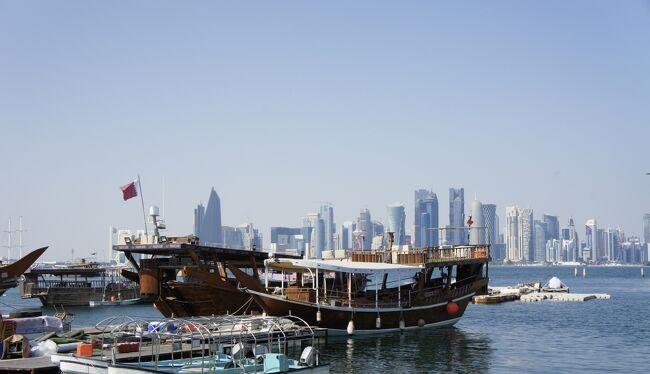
pixel 197 299
pixel 336 319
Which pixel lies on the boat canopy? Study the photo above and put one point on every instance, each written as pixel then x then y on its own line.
pixel 339 266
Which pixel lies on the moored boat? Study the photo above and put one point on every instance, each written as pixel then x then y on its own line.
pixel 12 272
pixel 375 291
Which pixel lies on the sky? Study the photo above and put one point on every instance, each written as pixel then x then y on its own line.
pixel 282 106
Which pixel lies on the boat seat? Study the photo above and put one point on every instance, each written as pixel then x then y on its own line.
pixel 308 356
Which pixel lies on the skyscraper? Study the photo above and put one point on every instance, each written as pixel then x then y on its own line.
pixel 457 234
pixel 210 229
pixel 327 215
pixel 491 223
pixel 477 229
pixel 591 232
pixel 646 228
pixel 552 227
pixel 363 234
pixel 397 223
pixel 526 234
pixel 425 219
pixel 513 248
pixel 541 228
pixel 347 235
pixel 199 212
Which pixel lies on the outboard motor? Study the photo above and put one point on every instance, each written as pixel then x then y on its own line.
pixel 308 356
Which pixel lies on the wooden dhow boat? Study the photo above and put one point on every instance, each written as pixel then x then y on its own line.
pixel 374 291
pixel 187 279
pixel 9 274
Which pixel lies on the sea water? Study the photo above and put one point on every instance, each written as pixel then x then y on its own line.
pixel 610 336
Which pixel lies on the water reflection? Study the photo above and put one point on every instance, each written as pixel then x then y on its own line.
pixel 449 350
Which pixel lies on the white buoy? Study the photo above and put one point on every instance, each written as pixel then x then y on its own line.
pixel 642 274
pixel 263 314
pixel 350 327
pixel 378 322
pixel 401 324
pixel 584 272
pixel 420 322
pixel 575 272
pixel 318 316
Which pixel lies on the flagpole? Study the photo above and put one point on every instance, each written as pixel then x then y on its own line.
pixel 144 215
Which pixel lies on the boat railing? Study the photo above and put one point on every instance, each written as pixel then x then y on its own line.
pixel 420 256
pixel 203 342
pixel 67 284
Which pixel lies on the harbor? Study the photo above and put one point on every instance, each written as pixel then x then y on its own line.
pixel 483 328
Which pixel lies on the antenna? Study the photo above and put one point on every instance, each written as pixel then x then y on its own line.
pixel 20 236
pixel 8 246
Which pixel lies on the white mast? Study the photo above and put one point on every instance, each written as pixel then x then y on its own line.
pixel 8 246
pixel 20 236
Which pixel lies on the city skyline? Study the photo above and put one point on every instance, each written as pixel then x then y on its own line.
pixel 541 105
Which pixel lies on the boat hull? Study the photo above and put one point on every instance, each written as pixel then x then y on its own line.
pixel 337 319
pixel 197 299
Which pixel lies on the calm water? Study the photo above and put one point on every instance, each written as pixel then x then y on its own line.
pixel 548 337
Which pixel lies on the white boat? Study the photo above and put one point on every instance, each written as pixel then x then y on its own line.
pixel 219 345
pixel 94 303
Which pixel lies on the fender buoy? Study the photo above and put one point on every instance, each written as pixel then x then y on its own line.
pixel 452 308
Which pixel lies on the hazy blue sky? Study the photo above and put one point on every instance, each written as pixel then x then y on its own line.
pixel 283 105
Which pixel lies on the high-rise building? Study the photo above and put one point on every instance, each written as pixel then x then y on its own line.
pixel 477 229
pixel 457 233
pixel 541 229
pixel 284 239
pixel 347 236
pixel 425 219
pixel 591 232
pixel 327 215
pixel 313 230
pixel 363 234
pixel 646 228
pixel 552 227
pixel 513 248
pixel 574 248
pixel 210 229
pixel 397 223
pixel 491 223
pixel 526 234
pixel 232 238
pixel 199 213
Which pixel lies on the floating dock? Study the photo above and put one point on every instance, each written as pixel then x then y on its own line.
pixel 553 296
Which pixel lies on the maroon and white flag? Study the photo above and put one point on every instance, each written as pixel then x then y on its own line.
pixel 470 222
pixel 129 190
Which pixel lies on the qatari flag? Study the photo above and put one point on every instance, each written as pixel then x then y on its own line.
pixel 129 190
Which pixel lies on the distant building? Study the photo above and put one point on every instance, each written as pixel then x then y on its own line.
pixel 327 215
pixel 287 239
pixel 541 230
pixel 199 213
pixel 210 223
pixel 646 228
pixel 526 234
pixel 591 238
pixel 513 244
pixel 251 237
pixel 456 233
pixel 363 234
pixel 426 219
pixel 346 236
pixel 477 229
pixel 552 227
pixel 313 230
pixel 491 223
pixel 232 237
pixel 397 223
